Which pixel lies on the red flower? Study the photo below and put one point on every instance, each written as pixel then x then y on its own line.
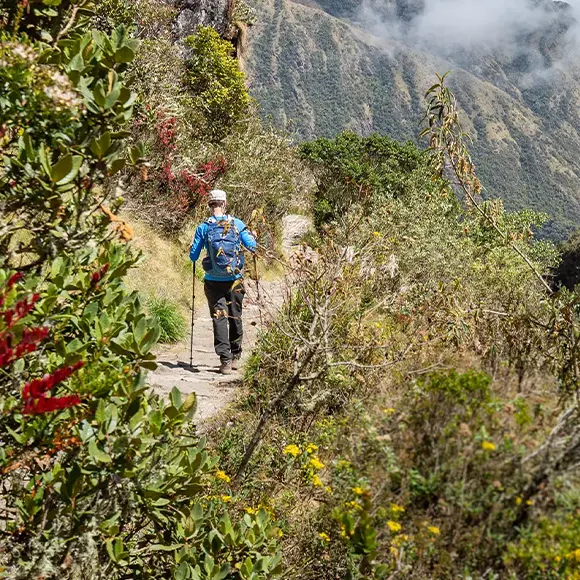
pixel 39 387
pixel 48 405
pixel 99 274
pixel 20 310
pixel 34 393
pixel 13 279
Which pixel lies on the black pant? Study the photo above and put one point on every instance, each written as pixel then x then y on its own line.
pixel 225 305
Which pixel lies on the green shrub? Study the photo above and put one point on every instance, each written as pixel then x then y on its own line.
pixel 216 82
pixel 100 478
pixel 172 325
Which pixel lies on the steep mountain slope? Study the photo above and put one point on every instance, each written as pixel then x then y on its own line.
pixel 317 75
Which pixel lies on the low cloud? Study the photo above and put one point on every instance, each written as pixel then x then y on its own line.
pixel 451 27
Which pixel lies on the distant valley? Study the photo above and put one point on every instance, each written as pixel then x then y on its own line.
pixel 317 68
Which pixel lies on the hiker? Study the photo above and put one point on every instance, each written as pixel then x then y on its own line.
pixel 224 237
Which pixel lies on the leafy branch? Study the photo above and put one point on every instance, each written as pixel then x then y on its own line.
pixel 447 141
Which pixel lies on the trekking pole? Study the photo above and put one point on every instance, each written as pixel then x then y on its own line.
pixel 192 317
pixel 258 290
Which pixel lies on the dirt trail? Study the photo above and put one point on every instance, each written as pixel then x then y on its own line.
pixel 215 391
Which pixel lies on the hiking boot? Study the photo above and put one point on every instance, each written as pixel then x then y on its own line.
pixel 226 368
pixel 236 363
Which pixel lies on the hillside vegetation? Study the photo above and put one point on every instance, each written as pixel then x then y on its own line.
pixel 317 75
pixel 411 410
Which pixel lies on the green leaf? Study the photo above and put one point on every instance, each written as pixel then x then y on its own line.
pixel 77 161
pixel 97 454
pixel 162 548
pixel 101 145
pixel 116 166
pixel 62 168
pixel 124 55
pixel 175 397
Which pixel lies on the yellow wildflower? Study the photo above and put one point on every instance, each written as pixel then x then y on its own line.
pixel 488 446
pixel 353 505
pixel 328 489
pixel 226 498
pixel 324 537
pixel 518 501
pixel 250 510
pixel 377 234
pixel 575 555
pixel 342 531
pixel 389 411
pixel 316 463
pixel 293 450
pixel 529 502
pixel 317 482
pixel 434 530
pixel 280 533
pixel 358 490
pixel 222 475
pixel 311 448
pixel 394 526
pixel 397 509
pixel 400 539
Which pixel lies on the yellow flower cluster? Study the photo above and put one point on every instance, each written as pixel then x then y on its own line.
pixel 353 505
pixel 316 481
pixel 226 498
pixel 343 533
pixel 397 509
pixel 434 530
pixel 222 475
pixel 293 450
pixel 389 411
pixel 316 463
pixel 574 555
pixel 358 490
pixel 324 537
pixel 311 448
pixel 400 540
pixel 394 526
pixel 488 446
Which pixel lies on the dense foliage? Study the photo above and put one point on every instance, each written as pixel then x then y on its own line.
pixel 100 478
pixel 201 131
pixel 412 410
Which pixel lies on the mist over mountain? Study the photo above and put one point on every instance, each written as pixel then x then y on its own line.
pixel 319 67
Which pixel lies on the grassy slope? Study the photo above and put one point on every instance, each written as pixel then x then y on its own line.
pixel 318 75
pixel 165 271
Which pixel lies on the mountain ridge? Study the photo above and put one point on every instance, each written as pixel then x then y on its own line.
pixel 316 75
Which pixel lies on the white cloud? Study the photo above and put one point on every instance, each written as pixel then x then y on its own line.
pixel 445 26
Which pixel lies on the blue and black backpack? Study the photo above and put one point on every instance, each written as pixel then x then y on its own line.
pixel 226 259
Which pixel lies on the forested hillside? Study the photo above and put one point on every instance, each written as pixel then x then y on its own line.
pixel 317 75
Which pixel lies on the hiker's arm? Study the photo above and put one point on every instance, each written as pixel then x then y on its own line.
pixel 246 237
pixel 198 243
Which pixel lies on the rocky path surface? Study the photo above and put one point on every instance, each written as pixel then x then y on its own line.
pixel 215 391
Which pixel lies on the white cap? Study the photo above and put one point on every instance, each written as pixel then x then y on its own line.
pixel 216 195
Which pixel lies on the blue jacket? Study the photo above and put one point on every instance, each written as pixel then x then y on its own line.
pixel 200 243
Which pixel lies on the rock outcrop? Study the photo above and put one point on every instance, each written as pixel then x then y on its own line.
pixel 194 13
